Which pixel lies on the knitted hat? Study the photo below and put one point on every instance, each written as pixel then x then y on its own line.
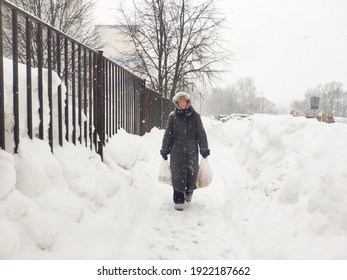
pixel 181 96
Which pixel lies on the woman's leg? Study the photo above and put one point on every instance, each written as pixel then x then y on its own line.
pixel 178 197
pixel 191 180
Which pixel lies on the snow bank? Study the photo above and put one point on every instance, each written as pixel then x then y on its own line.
pixel 292 186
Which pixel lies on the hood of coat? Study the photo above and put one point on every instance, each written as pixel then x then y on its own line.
pixel 181 96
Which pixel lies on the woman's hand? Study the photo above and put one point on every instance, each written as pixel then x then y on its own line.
pixel 204 152
pixel 164 153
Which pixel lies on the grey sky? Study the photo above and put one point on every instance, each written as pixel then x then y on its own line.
pixel 286 46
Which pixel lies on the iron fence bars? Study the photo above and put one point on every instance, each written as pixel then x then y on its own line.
pixel 85 95
pixel 106 94
pixel 28 74
pixel 50 85
pixel 2 93
pixel 111 99
pixel 131 103
pixel 166 108
pixel 112 103
pixel 72 92
pixel 113 83
pixel 92 105
pixel 95 101
pixel 126 102
pixel 138 117
pixel 79 92
pixel 39 69
pixel 119 99
pixel 108 99
pixel 144 111
pixel 100 108
pixel 152 109
pixel 15 80
pixel 60 107
pixel 122 111
pixel 142 117
pixel 116 97
pixel 67 85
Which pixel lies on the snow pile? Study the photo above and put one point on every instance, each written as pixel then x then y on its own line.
pixel 288 186
pixel 278 192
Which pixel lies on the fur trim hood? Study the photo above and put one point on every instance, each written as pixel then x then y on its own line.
pixel 179 96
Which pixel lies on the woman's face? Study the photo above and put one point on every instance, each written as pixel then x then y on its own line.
pixel 182 104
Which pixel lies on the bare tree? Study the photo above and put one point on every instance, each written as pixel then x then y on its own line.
pixel 222 101
pixel 175 44
pixel 240 97
pixel 332 99
pixel 72 17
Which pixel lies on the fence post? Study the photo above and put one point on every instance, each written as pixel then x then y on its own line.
pixel 162 114
pixel 15 79
pixel 143 108
pixel 39 39
pixel 99 111
pixel 2 90
pixel 28 74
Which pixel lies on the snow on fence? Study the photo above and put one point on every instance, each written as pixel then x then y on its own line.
pixel 57 89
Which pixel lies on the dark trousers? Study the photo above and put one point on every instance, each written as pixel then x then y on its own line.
pixel 178 197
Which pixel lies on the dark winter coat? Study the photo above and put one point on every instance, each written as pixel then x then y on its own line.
pixel 184 134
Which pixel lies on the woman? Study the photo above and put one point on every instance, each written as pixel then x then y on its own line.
pixel 184 134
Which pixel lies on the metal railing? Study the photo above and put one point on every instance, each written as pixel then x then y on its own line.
pixel 71 92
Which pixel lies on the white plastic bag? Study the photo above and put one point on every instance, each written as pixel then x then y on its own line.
pixel 165 176
pixel 205 174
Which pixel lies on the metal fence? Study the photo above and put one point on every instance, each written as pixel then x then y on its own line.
pixel 63 90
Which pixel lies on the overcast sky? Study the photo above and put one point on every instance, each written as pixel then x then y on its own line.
pixel 286 46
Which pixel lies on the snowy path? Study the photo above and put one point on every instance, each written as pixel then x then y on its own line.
pixel 201 231
pixel 240 216
pixel 195 233
pixel 279 192
pixel 204 230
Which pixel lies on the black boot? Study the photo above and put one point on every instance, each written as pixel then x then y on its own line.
pixel 178 198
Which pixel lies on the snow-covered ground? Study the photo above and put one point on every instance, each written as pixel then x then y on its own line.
pixel 279 192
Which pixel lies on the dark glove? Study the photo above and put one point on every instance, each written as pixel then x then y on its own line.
pixel 164 153
pixel 204 152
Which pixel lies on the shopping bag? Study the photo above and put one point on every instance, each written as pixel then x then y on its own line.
pixel 165 176
pixel 205 174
